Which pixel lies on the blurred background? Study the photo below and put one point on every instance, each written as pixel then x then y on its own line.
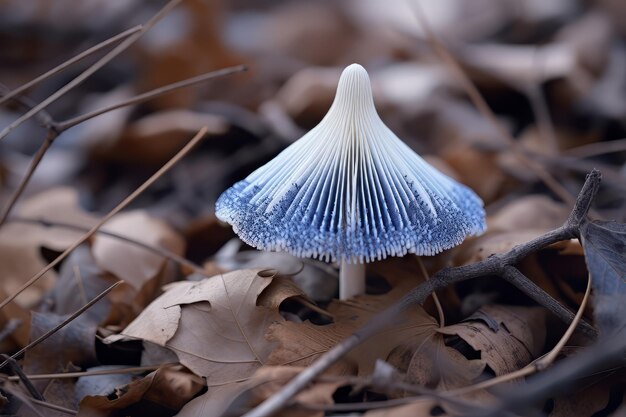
pixel 553 72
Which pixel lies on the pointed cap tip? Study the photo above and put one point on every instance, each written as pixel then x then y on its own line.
pixel 354 71
pixel 354 78
pixel 355 68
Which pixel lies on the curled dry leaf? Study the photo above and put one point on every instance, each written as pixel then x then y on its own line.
pixel 216 326
pixel 506 337
pixel 161 393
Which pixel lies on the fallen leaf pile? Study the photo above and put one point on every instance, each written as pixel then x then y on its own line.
pixel 193 322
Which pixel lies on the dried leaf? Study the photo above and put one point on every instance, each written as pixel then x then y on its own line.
pixel 604 244
pixel 506 337
pixel 161 393
pixel 80 280
pixel 75 343
pixel 216 326
pixel 98 385
pixel 301 343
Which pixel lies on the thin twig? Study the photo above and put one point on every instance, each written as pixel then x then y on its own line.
pixel 43 117
pixel 166 253
pixel 492 266
pixel 598 148
pixel 45 145
pixel 68 63
pixel 442 317
pixel 149 95
pixel 513 275
pixel 81 374
pixel 112 213
pixel 121 47
pixel 60 325
pixel 482 106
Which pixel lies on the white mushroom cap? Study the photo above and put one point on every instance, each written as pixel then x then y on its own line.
pixel 350 190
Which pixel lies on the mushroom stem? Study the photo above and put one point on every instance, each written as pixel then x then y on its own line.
pixel 351 280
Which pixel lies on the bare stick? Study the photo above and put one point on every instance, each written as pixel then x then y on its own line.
pixel 68 63
pixel 125 44
pixel 60 325
pixel 480 103
pixel 166 253
pixel 67 124
pixel 45 145
pixel 112 213
pixel 494 265
pixel 43 117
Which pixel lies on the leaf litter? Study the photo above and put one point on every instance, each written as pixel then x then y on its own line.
pixel 229 339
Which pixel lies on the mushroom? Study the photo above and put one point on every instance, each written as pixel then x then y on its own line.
pixel 350 191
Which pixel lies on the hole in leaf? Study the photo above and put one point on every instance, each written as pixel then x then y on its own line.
pixel 268 273
pixel 462 346
pixel 50 255
pixel 293 307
